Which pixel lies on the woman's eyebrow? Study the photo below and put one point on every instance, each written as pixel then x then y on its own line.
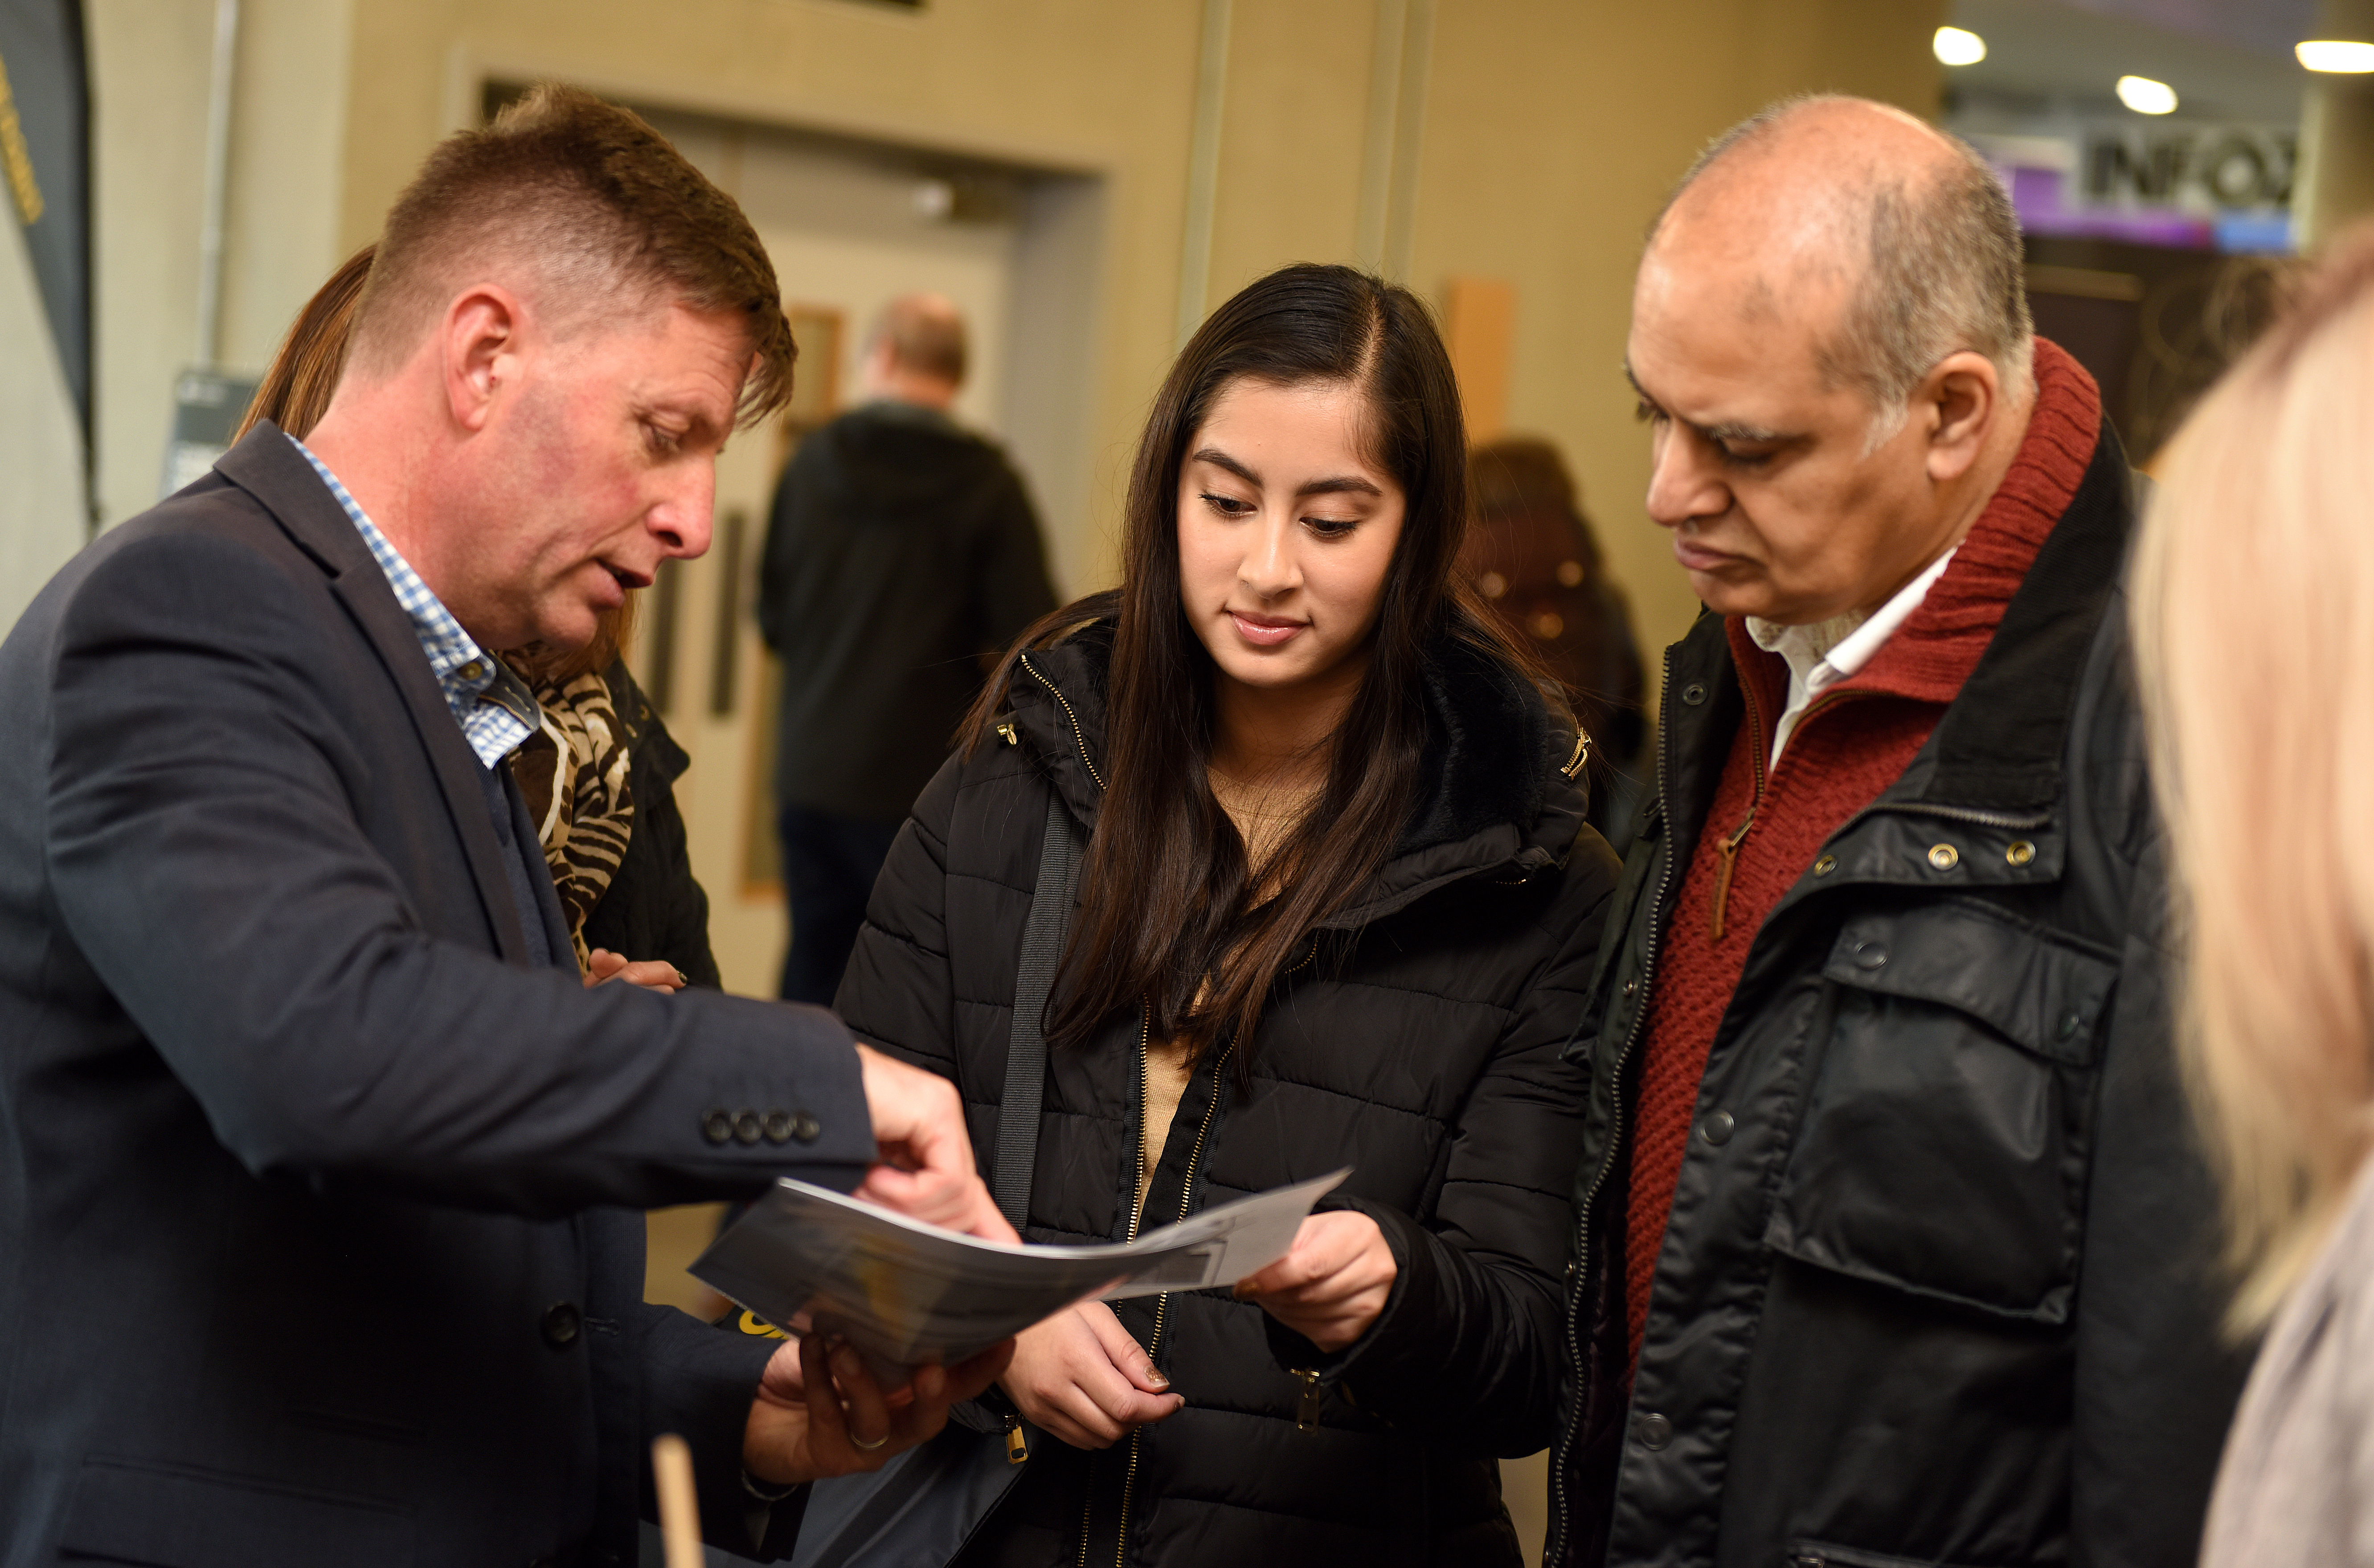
pixel 1338 485
pixel 1219 458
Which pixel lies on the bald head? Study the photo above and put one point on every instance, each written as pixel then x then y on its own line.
pixel 924 334
pixel 1894 243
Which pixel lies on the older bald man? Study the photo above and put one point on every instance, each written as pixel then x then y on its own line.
pixel 1893 1247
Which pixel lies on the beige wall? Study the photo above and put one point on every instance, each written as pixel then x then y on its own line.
pixel 150 64
pixel 1551 131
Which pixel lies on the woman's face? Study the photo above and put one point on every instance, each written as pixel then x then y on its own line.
pixel 1286 531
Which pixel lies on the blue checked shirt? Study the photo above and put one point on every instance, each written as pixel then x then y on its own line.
pixel 493 706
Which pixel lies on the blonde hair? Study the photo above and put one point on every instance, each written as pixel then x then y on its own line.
pixel 2253 617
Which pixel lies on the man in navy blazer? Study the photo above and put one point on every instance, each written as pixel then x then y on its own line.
pixel 319 1163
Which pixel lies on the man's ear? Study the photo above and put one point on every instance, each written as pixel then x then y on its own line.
pixel 1962 398
pixel 481 342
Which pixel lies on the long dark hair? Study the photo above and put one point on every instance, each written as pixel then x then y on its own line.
pixel 1169 907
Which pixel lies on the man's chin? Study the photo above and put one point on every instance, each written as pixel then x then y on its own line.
pixel 1735 593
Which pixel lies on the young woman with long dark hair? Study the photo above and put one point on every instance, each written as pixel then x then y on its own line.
pixel 1337 908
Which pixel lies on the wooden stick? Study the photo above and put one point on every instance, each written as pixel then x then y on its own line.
pixel 679 1507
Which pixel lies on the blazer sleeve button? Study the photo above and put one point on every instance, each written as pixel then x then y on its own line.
pixel 717 1126
pixel 778 1127
pixel 746 1126
pixel 559 1324
pixel 806 1129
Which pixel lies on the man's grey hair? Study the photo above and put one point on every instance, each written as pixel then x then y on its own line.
pixel 1946 272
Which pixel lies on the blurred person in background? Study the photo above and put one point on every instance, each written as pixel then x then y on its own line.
pixel 901 555
pixel 1338 906
pixel 2254 639
pixel 598 774
pixel 1893 1235
pixel 1534 559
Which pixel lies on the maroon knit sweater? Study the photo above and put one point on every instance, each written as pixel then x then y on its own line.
pixel 1853 742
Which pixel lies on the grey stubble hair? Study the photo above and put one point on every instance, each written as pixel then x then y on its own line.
pixel 1944 271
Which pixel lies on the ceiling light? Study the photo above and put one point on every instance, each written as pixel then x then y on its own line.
pixel 2147 97
pixel 1959 46
pixel 2334 54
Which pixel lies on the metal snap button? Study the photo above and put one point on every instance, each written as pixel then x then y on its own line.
pixel 1826 865
pixel 747 1129
pixel 1871 954
pixel 1694 694
pixel 1944 856
pixel 2071 1022
pixel 1655 1431
pixel 717 1126
pixel 1631 986
pixel 2020 853
pixel 1716 1129
pixel 559 1324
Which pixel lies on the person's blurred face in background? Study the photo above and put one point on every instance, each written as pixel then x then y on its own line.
pixel 1286 528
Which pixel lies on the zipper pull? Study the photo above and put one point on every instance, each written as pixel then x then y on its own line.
pixel 1727 849
pixel 1018 1446
pixel 1306 1408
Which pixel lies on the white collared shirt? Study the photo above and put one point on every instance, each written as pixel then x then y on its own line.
pixel 1822 654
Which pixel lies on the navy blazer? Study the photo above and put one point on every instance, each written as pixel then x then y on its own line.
pixel 317 1229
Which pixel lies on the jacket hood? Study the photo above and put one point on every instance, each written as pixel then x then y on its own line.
pixel 892 461
pixel 1502 787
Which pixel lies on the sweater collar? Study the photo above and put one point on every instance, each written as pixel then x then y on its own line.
pixel 1940 643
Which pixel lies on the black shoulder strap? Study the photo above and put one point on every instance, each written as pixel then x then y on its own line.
pixel 1026 1049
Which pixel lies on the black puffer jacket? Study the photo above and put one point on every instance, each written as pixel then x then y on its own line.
pixel 1420 1046
pixel 1939 1284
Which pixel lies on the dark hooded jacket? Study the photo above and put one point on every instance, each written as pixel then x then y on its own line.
pixel 902 551
pixel 1419 1044
pixel 1939 1286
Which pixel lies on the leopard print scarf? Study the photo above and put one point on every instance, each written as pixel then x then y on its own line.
pixel 574 772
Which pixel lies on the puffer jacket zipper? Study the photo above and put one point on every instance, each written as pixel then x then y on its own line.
pixel 1079 736
pixel 1563 1451
pixel 1162 1302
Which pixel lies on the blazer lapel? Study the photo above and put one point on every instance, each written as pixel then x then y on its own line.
pixel 268 467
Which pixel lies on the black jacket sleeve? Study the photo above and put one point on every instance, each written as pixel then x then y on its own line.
pixel 1467 1348
pixel 206 855
pixel 898 991
pixel 2157 1381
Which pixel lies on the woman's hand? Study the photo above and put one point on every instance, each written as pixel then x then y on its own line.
pixel 1081 1377
pixel 602 966
pixel 1333 1284
pixel 819 1412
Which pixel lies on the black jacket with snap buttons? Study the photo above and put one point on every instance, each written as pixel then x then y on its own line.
pixel 1417 1043
pixel 1940 1284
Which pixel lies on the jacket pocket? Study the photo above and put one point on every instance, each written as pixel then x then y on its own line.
pixel 174 1516
pixel 1822 1555
pixel 1944 1146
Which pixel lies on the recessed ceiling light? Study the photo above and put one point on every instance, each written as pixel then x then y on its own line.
pixel 2147 97
pixel 2336 55
pixel 1959 46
